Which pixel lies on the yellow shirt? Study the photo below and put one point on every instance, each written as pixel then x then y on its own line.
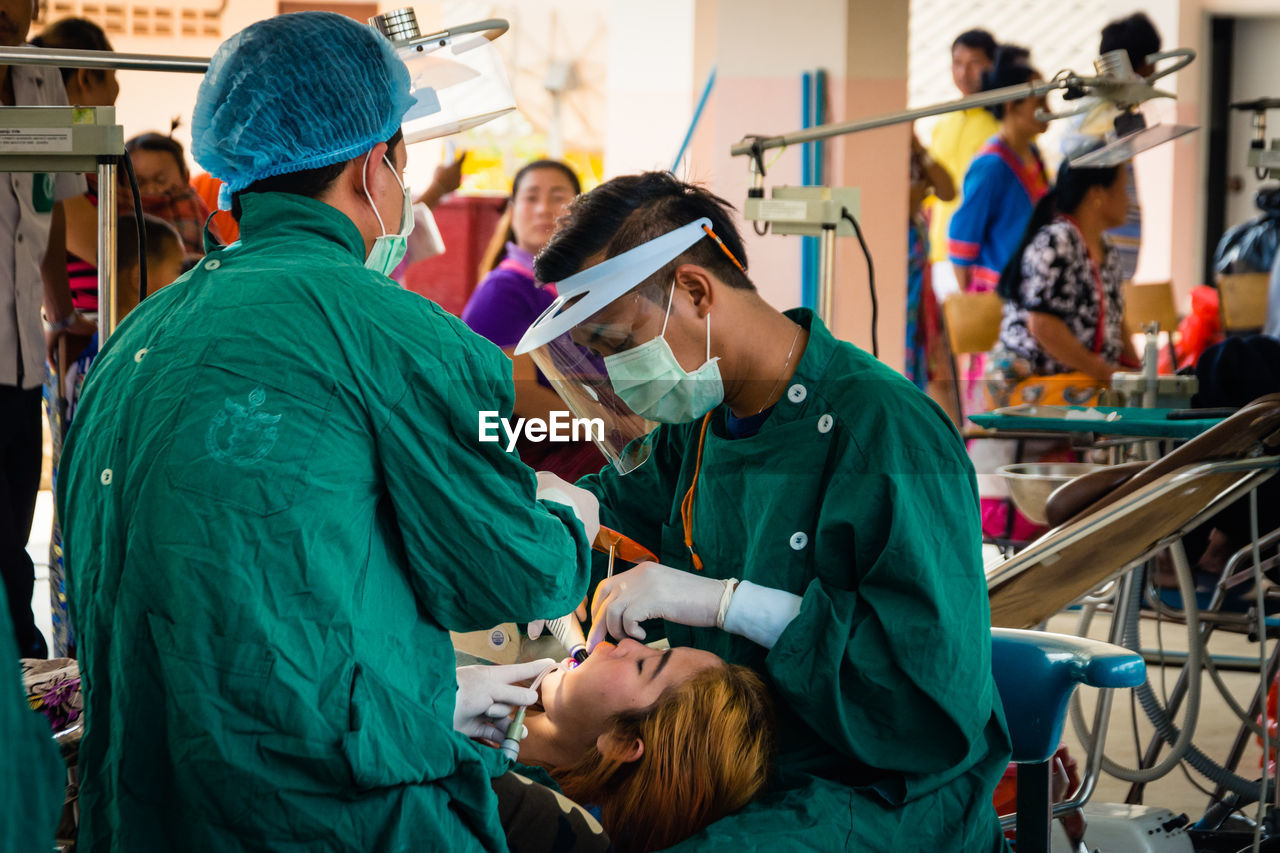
pixel 956 138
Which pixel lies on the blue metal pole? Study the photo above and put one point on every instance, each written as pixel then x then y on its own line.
pixel 808 245
pixel 697 114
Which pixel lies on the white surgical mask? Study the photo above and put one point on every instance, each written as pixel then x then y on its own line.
pixel 650 380
pixel 388 250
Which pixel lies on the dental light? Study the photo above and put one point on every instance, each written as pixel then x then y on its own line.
pixel 458 80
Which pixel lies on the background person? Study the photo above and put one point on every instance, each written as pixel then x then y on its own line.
pixel 1063 289
pixel 1139 38
pixel 164 182
pixel 92 87
pixel 1002 186
pixel 956 138
pixel 264 583
pixel 928 361
pixel 33 276
pixel 509 298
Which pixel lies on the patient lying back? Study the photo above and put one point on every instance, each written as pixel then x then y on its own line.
pixel 662 742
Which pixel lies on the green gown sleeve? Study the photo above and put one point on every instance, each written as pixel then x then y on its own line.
pixel 891 648
pixel 481 548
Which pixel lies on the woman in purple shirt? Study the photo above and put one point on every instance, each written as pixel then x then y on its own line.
pixel 508 300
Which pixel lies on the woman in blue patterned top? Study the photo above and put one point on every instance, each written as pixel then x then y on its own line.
pixel 1005 180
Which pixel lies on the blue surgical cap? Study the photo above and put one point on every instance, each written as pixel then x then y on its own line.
pixel 295 92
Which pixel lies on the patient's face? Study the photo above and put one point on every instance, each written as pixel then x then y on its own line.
pixel 627 677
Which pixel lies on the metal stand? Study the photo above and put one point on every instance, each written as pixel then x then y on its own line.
pixel 108 303
pixel 827 274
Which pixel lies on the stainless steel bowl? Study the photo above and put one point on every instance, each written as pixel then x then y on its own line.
pixel 1031 483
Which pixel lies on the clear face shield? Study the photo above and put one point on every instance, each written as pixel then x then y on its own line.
pixel 602 316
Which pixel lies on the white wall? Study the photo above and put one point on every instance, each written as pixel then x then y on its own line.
pixel 649 85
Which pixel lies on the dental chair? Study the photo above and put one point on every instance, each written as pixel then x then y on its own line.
pixel 1036 674
pixel 1107 522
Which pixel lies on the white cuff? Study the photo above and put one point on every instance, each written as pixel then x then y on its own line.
pixel 760 613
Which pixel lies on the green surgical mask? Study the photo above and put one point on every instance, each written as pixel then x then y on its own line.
pixel 388 250
pixel 650 380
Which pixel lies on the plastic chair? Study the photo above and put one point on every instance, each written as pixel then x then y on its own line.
pixel 1036 673
pixel 972 323
pixel 1149 303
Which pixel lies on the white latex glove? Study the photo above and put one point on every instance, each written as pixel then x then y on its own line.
pixel 487 694
pixel 537 626
pixel 651 591
pixel 583 503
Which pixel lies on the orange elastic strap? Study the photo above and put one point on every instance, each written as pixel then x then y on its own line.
pixel 714 236
pixel 686 506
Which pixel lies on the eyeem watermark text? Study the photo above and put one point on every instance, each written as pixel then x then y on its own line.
pixel 560 427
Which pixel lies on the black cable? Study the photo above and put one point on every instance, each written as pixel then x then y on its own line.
pixel 871 280
pixel 142 230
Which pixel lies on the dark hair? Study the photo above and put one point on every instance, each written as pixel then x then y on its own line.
pixel 977 40
pixel 306 182
pixel 546 164
pixel 623 213
pixel 162 237
pixel 153 141
pixel 74 34
pixel 1012 66
pixel 1135 35
pixel 505 232
pixel 1068 192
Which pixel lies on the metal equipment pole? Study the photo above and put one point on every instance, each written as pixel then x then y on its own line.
pixel 108 308
pixel 827 274
pixel 1064 80
pixel 65 58
pixel 826 131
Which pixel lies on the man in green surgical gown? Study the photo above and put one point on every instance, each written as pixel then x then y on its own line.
pixel 276 504
pixel 815 517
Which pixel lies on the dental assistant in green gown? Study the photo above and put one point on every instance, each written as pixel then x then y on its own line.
pixel 814 515
pixel 276 505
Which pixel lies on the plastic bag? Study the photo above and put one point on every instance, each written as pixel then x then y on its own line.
pixel 1251 246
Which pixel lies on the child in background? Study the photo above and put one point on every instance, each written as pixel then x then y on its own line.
pixel 165 256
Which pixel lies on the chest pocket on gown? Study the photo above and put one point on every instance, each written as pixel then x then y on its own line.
pixel 243 439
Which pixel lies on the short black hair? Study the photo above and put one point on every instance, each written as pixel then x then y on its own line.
pixel 307 182
pixel 74 34
pixel 1012 67
pixel 623 213
pixel 1135 35
pixel 977 40
pixel 162 238
pixel 152 141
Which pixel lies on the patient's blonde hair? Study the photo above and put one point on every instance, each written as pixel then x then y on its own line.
pixel 707 748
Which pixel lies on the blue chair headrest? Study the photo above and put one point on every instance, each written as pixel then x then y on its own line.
pixel 1035 673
